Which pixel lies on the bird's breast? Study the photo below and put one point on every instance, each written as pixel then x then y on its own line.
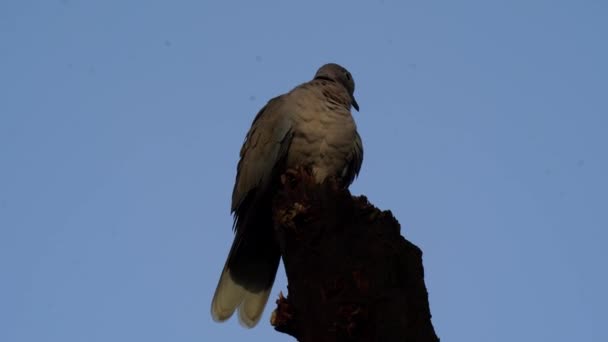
pixel 323 141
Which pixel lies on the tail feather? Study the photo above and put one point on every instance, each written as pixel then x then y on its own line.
pixel 252 307
pixel 231 296
pixel 248 275
pixel 227 298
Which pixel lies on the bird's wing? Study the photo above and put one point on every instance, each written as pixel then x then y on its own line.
pixel 265 147
pixel 351 171
pixel 251 266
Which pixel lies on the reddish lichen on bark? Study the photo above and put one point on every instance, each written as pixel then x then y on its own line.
pixel 351 275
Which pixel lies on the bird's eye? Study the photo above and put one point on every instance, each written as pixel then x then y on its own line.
pixel 348 77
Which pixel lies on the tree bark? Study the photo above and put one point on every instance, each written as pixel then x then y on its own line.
pixel 351 275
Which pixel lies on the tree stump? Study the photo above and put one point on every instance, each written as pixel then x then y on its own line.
pixel 351 275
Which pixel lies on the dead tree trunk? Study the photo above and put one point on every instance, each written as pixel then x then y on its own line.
pixel 351 275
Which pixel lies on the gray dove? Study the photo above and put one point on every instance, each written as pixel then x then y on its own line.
pixel 311 126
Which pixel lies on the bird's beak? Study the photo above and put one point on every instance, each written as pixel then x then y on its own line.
pixel 354 103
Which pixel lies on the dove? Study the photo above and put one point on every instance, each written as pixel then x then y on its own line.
pixel 312 127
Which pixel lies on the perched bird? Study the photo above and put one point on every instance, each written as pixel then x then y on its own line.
pixel 311 126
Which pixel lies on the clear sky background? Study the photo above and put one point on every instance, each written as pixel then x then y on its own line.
pixel 485 132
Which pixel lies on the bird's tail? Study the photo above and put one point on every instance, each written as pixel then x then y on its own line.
pixel 248 275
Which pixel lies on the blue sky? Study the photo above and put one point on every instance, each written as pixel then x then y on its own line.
pixel 485 132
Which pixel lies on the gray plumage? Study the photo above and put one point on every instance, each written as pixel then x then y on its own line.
pixel 310 126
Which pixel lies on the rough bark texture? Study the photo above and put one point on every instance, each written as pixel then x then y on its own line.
pixel 351 275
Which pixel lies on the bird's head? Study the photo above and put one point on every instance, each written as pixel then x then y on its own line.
pixel 337 73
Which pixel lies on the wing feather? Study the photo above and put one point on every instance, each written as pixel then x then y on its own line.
pixel 351 171
pixel 266 144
